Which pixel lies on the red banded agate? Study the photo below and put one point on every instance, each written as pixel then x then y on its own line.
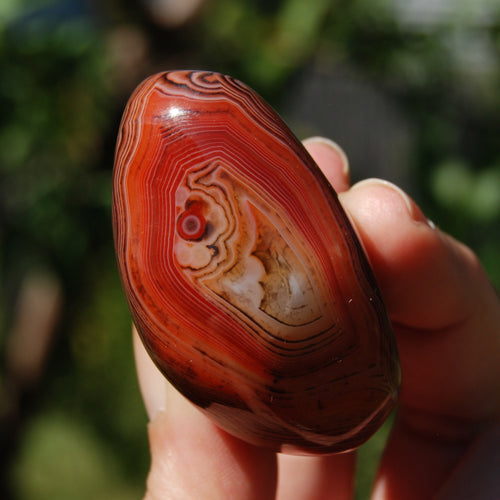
pixel 245 279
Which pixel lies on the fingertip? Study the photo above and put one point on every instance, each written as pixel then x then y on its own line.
pixel 332 161
pixel 398 198
pixel 384 200
pixel 409 256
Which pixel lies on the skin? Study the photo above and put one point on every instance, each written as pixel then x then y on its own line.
pixel 445 442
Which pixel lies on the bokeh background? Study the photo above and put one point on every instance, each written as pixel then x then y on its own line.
pixel 410 89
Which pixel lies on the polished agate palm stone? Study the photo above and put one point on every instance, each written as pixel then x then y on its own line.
pixel 245 279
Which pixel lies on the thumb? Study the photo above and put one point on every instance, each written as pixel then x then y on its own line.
pixel 190 456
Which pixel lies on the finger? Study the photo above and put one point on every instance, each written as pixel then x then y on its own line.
pixel 476 476
pixel 318 478
pixel 331 159
pixel 190 456
pixel 445 315
pixel 416 467
pixel 443 308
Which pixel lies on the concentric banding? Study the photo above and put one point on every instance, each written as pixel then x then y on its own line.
pixel 241 269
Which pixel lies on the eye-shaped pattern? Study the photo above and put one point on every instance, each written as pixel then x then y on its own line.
pixel 191 224
pixel 245 279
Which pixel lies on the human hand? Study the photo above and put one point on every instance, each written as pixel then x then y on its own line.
pixel 446 436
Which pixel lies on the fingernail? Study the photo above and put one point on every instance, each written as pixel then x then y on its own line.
pixel 335 147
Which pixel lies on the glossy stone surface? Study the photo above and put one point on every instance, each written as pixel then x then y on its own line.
pixel 244 277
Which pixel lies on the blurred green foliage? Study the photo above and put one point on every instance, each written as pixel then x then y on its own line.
pixel 63 458
pixel 81 429
pixel 54 111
